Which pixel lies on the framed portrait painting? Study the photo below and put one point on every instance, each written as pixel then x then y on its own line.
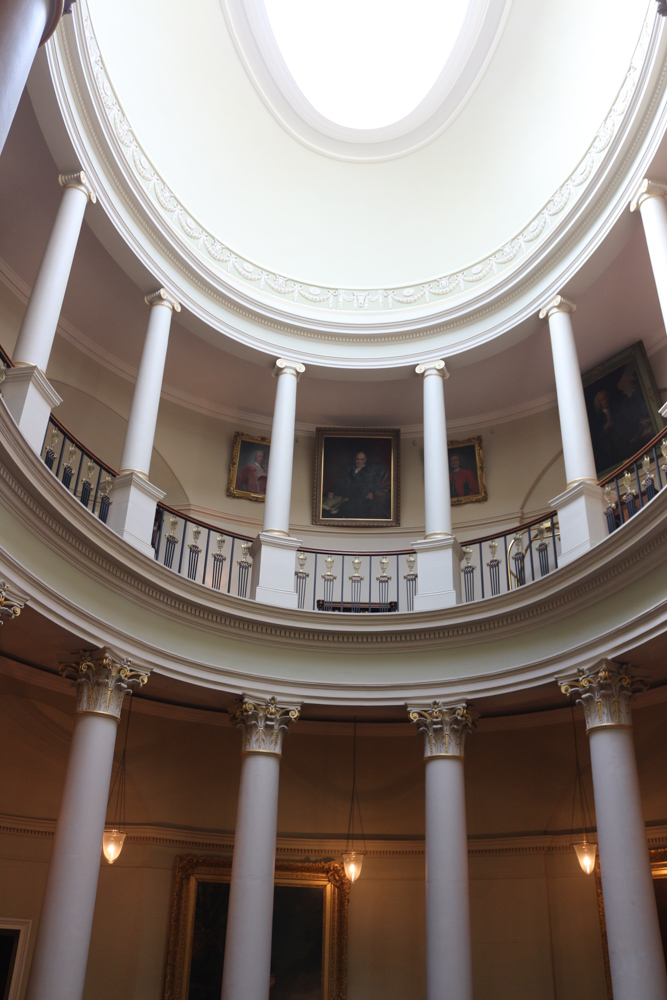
pixel 249 467
pixel 356 477
pixel 467 476
pixel 309 939
pixel 622 403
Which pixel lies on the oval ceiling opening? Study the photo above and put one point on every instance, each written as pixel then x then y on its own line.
pixel 365 64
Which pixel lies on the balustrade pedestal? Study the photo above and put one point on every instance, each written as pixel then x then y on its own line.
pixel 272 579
pixel 581 520
pixel 132 512
pixel 30 397
pixel 439 573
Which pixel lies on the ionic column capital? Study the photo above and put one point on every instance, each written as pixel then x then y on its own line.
pixel 103 680
pixel 444 728
pixel 10 607
pixel 80 182
pixel 605 693
pixel 647 189
pixel 284 366
pixel 264 724
pixel 557 304
pixel 432 368
pixel 161 297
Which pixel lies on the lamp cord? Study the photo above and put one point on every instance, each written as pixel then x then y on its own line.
pixel 354 797
pixel 118 785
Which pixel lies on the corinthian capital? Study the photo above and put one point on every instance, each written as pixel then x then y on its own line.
pixel 103 680
pixel 605 693
pixel 10 607
pixel 444 728
pixel 264 724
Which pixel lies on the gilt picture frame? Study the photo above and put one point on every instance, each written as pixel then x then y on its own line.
pixel 309 955
pixel 248 467
pixel 467 474
pixel 357 477
pixel 622 404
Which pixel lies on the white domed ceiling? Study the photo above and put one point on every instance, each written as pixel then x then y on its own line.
pixel 334 233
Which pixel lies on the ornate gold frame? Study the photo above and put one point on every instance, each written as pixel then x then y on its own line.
pixel 357 432
pixel 239 439
pixel 658 870
pixel 191 869
pixel 481 471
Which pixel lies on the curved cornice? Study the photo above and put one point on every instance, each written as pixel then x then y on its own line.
pixel 253 37
pixel 571 618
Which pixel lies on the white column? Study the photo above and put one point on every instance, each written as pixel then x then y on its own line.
pixel 58 969
pixel 650 202
pixel 28 395
pixel 134 497
pixel 24 26
pixel 448 944
pixel 247 968
pixel 438 553
pixel 636 957
pixel 580 507
pixel 273 551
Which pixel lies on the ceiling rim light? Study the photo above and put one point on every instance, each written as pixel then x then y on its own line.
pixel 251 32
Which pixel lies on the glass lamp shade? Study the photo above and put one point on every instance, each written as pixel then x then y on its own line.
pixel 112 844
pixel 353 862
pixel 586 855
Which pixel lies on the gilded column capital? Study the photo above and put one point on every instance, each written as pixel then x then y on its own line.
pixel 437 367
pixel 605 693
pixel 559 304
pixel 10 607
pixel 264 724
pixel 80 182
pixel 285 367
pixel 161 297
pixel 647 189
pixel 103 680
pixel 444 728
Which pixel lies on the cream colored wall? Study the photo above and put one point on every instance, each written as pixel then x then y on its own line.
pixel 534 914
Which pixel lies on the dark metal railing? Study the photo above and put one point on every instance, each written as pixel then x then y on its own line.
pixel 636 482
pixel 79 470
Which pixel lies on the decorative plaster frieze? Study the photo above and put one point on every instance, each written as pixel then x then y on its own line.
pixel 605 693
pixel 264 724
pixel 103 680
pixel 444 728
pixel 232 266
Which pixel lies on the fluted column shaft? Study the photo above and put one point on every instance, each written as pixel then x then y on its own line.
pixel 650 201
pixel 40 321
pixel 448 939
pixel 636 958
pixel 281 455
pixel 140 434
pixel 247 968
pixel 437 506
pixel 574 428
pixel 24 25
pixel 60 958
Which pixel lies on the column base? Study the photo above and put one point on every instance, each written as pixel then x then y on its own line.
pixel 132 512
pixel 30 397
pixel 273 567
pixel 581 520
pixel 438 573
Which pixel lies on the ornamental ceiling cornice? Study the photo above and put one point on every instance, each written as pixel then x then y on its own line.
pixel 55 520
pixel 369 316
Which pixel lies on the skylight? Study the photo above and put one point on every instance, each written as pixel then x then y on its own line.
pixel 365 64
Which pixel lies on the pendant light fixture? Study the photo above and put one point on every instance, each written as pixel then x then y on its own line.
pixel 584 849
pixel 353 860
pixel 114 835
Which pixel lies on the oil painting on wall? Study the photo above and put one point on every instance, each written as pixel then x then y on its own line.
pixel 467 476
pixel 356 477
pixel 249 467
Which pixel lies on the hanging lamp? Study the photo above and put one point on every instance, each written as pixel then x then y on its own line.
pixel 114 835
pixel 353 860
pixel 584 849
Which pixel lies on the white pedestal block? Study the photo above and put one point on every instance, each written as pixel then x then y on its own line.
pixel 30 397
pixel 273 567
pixel 663 411
pixel 132 512
pixel 581 520
pixel 438 573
